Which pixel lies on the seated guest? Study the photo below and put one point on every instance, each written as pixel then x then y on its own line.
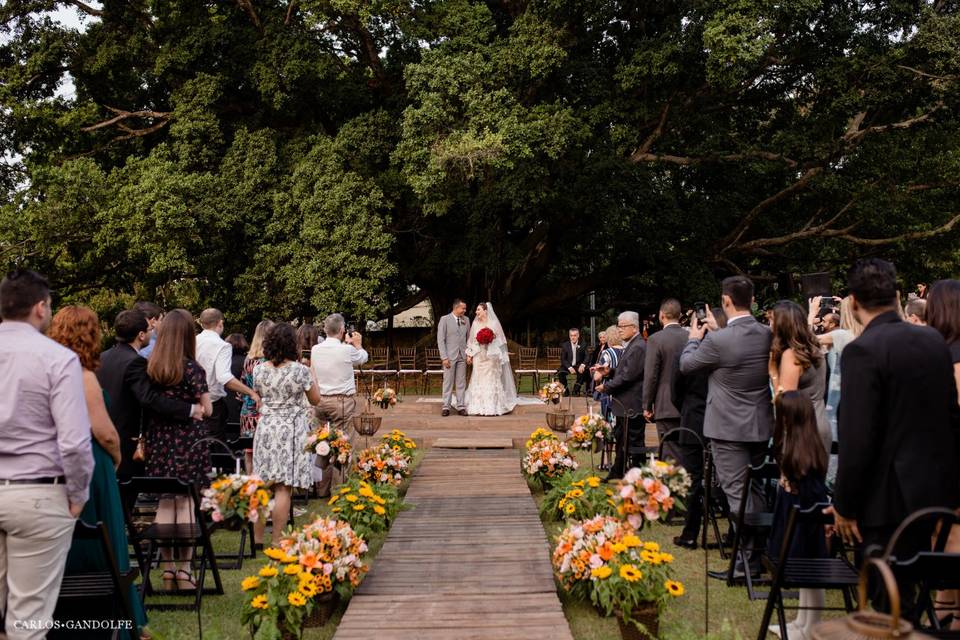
pixel 173 448
pixel 215 356
pixel 893 374
pixel 573 361
pixel 916 311
pixel 78 329
pixel 123 376
pixel 278 446
pixel 154 316
pixel 803 471
pixel 46 461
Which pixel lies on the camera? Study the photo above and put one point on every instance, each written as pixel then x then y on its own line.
pixel 350 329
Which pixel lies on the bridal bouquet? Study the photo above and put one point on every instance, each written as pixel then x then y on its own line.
pixel 485 336
pixel 385 397
pixel 382 464
pixel 237 497
pixel 650 492
pixel 551 392
pixel 327 441
pixel 548 460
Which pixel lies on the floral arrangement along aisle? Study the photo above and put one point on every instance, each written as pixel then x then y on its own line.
pixel 540 434
pixel 399 442
pixel 648 493
pixel 551 392
pixel 385 397
pixel 311 564
pixel 603 559
pixel 546 460
pixel 236 499
pixel 327 441
pixel 382 464
pixel 576 496
pixel 589 428
pixel 367 508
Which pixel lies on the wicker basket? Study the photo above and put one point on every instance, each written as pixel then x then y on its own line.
pixel 367 424
pixel 324 605
pixel 647 615
pixel 560 421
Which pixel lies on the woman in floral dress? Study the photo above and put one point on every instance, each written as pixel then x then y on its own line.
pixel 283 428
pixel 249 415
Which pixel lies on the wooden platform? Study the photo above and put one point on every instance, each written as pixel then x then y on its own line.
pixel 470 560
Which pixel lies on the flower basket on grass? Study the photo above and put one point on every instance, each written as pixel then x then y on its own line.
pixel 236 499
pixel 552 392
pixel 650 492
pixel 577 496
pixel 367 508
pixel 330 445
pixel 546 460
pixel 382 464
pixel 399 442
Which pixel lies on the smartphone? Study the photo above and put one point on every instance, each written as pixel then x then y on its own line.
pixel 305 354
pixel 350 330
pixel 700 308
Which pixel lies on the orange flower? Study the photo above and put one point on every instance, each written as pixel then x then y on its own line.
pixel 606 551
pixel 310 560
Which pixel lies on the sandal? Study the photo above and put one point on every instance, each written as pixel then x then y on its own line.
pixel 188 580
pixel 169 580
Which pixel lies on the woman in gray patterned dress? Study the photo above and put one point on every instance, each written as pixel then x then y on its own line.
pixel 280 438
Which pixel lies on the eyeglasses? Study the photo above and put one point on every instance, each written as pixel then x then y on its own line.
pixel 626 326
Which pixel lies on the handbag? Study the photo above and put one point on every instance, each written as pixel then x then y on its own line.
pixel 140 453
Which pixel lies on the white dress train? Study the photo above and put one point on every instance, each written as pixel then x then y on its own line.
pixel 491 391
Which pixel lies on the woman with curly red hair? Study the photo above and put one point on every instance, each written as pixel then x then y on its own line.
pixel 78 329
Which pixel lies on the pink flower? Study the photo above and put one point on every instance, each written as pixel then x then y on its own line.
pixel 217 516
pixel 254 515
pixel 595 561
pixel 327 569
pixel 635 520
pixel 627 491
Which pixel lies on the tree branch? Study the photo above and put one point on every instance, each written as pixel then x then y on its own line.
pixel 290 9
pixel 247 7
pixel 855 134
pixel 122 115
pixel 87 9
pixel 640 156
pixel 645 147
pixel 924 74
pixel 915 235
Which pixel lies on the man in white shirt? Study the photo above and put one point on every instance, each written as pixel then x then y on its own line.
pixel 215 355
pixel 332 362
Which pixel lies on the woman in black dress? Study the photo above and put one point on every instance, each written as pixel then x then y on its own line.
pixel 171 450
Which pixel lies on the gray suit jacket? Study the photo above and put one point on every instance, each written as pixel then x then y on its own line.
pixel 738 400
pixel 626 383
pixel 663 347
pixel 452 339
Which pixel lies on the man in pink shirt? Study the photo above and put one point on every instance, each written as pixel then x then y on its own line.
pixel 46 459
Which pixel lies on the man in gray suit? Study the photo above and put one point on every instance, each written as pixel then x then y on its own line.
pixel 739 418
pixel 663 347
pixel 452 332
pixel 626 386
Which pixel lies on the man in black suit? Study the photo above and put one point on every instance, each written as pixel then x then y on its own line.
pixel 898 426
pixel 663 352
pixel 123 375
pixel 626 387
pixel 573 361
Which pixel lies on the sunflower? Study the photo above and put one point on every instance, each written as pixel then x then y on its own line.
pixel 352 498
pixel 570 508
pixel 619 547
pixel 287 559
pixel 273 553
pixel 308 589
pixel 345 490
pixel 359 507
pixel 674 588
pixel 379 510
pixel 366 492
pixel 603 572
pixel 292 569
pixel 296 599
pixel 259 602
pixel 666 557
pixel 651 557
pixel 333 499
pixel 268 572
pixel 593 481
pixel 651 546
pixel 379 500
pixel 630 573
pixel 250 582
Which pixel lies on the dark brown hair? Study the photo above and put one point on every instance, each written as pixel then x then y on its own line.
pixel 307 335
pixel 943 309
pixel 796 443
pixel 740 290
pixel 280 344
pixel 791 331
pixel 20 291
pixel 176 341
pixel 78 329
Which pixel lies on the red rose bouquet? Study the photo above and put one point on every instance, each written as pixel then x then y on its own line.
pixel 485 336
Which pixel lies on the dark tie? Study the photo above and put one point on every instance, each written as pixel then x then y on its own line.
pixel 459 322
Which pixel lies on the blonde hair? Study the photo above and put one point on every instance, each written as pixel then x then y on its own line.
pixel 256 345
pixel 613 336
pixel 848 320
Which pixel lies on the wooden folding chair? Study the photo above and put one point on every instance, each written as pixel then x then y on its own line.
pixel 434 368
pixel 406 367
pixel 551 364
pixel 527 366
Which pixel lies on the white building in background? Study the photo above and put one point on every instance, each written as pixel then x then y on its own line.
pixel 419 316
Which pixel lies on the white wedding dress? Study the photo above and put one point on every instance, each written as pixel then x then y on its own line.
pixel 492 391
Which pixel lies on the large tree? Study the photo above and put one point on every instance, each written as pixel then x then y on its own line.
pixel 289 158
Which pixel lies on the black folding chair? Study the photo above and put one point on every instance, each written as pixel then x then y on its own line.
pixel 751 525
pixel 96 594
pixel 835 573
pixel 190 535
pixel 631 453
pixel 934 570
pixel 717 508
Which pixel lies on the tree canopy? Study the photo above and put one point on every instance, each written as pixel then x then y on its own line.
pixel 294 157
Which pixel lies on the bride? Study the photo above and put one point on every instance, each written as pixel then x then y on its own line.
pixel 492 391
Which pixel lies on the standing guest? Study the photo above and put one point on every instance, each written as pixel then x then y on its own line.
pixel 234 401
pixel 249 414
pixel 154 315
pixel 689 392
pixel 625 387
pixel 123 376
pixel 173 447
pixel 606 366
pixel 797 363
pixel 278 446
pixel 78 329
pixel 452 332
pixel 215 356
pixel 803 469
pixel 573 361
pixel 892 371
pixel 941 309
pixel 594 359
pixel 830 322
pixel 332 362
pixel 45 462
pixel 663 350
pixel 308 336
pixel 739 416
pixel 916 311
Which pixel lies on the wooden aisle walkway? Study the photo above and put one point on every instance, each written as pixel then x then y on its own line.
pixel 469 561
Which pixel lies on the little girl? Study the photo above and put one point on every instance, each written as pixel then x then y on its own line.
pixel 803 470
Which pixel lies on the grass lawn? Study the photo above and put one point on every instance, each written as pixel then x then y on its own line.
pixel 731 613
pixel 221 614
